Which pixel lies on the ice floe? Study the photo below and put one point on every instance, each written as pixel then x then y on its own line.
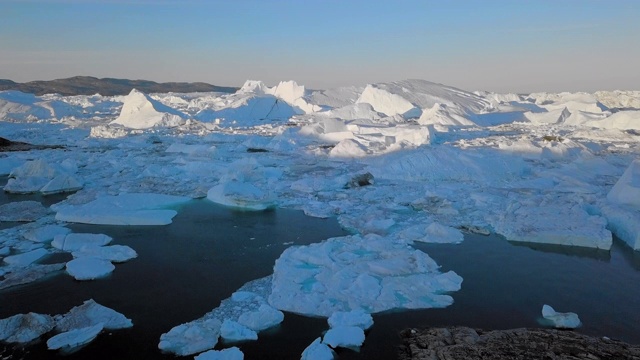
pixel 26 258
pixel 90 313
pixel 76 241
pixel 45 233
pixel 232 353
pixel 559 320
pixel 318 351
pixel 344 336
pixel 72 339
pixel 24 328
pixel 123 209
pixel 113 253
pixel 23 211
pixel 358 318
pixel 192 338
pixel 89 268
pixel 38 176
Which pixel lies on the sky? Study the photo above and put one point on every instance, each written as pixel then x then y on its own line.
pixel 503 46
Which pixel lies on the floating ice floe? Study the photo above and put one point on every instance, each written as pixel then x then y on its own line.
pixel 318 351
pixel 113 253
pixel 140 111
pixel 75 241
pixel 90 313
pixel 38 176
pixel 27 258
pixel 24 328
pixel 72 339
pixel 369 272
pixel 89 268
pixel 123 209
pixel 232 353
pixel 23 211
pixel 431 233
pixel 234 331
pixel 263 318
pixel 358 318
pixel 626 191
pixel 559 320
pixel 191 338
pixel 241 195
pixel 29 274
pixel 45 233
pixel 344 336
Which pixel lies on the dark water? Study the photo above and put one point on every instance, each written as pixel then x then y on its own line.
pixel 185 269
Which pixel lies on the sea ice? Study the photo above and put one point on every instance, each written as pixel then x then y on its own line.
pixel 431 233
pixel 27 258
pixel 45 233
pixel 624 222
pixel 123 209
pixel 75 241
pixel 317 351
pixel 261 319
pixel 23 211
pixel 369 272
pixel 113 253
pixel 29 274
pixel 72 339
pixel 232 353
pixel 24 328
pixel 344 336
pixel 38 175
pixel 91 313
pixel 234 331
pixel 567 320
pixel 191 338
pixel 626 191
pixel 241 195
pixel 140 111
pixel 358 318
pixel 89 268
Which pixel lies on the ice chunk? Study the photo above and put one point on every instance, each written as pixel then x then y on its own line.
pixel 348 148
pixel 358 318
pixel 241 195
pixel 232 353
pixel 72 339
pixel 45 233
pixel 89 268
pixel 191 338
pixel 29 274
pixel 384 101
pixel 369 272
pixel 624 222
pixel 233 331
pixel 27 258
pixel 113 253
pixel 627 190
pixel 91 313
pixel 75 241
pixel 432 233
pixel 263 318
pixel 344 336
pixel 22 211
pixel 123 209
pixel 140 111
pixel 24 328
pixel 37 175
pixel 317 351
pixel 61 183
pixel 567 320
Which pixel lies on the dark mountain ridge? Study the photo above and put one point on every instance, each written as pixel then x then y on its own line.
pixel 88 85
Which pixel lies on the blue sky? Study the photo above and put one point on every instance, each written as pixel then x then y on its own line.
pixel 516 45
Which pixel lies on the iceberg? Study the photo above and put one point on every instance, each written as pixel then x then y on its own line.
pixel 89 268
pixel 344 336
pixel 89 314
pixel 318 351
pixel 191 338
pixel 559 320
pixel 626 191
pixel 140 111
pixel 38 176
pixel 234 331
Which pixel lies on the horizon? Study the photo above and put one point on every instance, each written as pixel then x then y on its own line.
pixel 496 46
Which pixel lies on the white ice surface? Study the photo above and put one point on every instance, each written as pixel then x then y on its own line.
pixel 75 241
pixel 72 339
pixel 27 258
pixel 232 353
pixel 358 318
pixel 91 313
pixel 317 351
pixel 45 233
pixel 234 331
pixel 626 191
pixel 140 111
pixel 344 336
pixel 24 328
pixel 23 211
pixel 89 268
pixel 123 209
pixel 559 320
pixel 113 253
pixel 192 338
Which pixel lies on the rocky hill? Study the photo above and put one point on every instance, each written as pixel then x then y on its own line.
pixel 87 85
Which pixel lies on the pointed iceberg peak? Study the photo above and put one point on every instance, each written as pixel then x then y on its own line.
pixel 140 111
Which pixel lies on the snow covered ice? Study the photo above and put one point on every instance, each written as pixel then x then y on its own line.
pixel 74 338
pixel 559 320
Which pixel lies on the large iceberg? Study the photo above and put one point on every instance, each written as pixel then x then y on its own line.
pixel 140 111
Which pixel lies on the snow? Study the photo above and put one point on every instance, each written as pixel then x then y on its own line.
pixel 318 351
pixel 140 111
pixel 24 328
pixel 89 268
pixel 72 339
pixel 76 241
pixel 344 336
pixel 559 320
pixel 232 353
pixel 89 314
pixel 123 209
pixel 358 272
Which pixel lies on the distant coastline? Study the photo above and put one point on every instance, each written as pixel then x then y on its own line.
pixel 88 85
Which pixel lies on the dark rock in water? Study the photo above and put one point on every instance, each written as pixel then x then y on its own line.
pixel 360 180
pixel 8 145
pixel 455 343
pixel 256 150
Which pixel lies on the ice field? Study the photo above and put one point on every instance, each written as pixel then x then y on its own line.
pixel 404 167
